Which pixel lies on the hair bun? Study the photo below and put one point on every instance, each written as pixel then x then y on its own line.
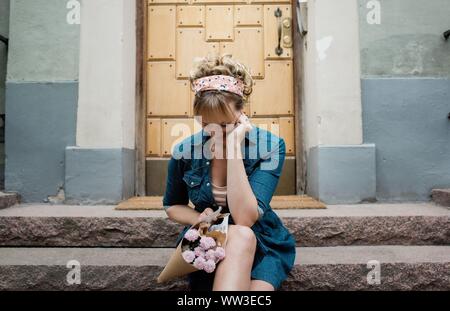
pixel 213 64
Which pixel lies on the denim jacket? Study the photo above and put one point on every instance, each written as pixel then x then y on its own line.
pixel 189 178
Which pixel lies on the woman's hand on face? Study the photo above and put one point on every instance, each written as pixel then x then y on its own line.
pixel 238 133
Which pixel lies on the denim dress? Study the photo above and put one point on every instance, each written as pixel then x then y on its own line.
pixel 189 179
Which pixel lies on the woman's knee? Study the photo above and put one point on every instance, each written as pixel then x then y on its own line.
pixel 243 236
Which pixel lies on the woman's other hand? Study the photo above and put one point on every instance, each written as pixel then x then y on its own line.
pixel 202 216
pixel 235 137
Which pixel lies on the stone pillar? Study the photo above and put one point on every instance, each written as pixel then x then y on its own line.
pixel 100 168
pixel 340 168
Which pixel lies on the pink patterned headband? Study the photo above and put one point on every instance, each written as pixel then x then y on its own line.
pixel 219 82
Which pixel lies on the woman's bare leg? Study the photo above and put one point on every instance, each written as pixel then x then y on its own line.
pixel 260 285
pixel 233 272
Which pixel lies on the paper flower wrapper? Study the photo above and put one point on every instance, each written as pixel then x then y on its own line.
pixel 214 226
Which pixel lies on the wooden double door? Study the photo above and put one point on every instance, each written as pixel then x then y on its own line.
pixel 257 33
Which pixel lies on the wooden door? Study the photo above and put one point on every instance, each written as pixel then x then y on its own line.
pixel 257 33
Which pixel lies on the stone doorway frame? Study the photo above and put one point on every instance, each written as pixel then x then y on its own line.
pixel 141 80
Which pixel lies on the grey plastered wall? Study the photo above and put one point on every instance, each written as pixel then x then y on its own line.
pixel 406 96
pixel 41 97
pixel 98 176
pixel 44 46
pixel 40 123
pixel 407 118
pixel 408 41
pixel 4 31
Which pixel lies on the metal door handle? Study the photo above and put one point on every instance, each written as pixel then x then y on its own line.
pixel 278 14
pixel 446 35
pixel 4 40
pixel 300 20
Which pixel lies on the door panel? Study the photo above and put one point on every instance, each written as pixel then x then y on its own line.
pixel 190 16
pixel 219 23
pixel 273 95
pixel 248 47
pixel 288 133
pixel 248 15
pixel 167 1
pixel 283 127
pixel 154 137
pixel 166 96
pixel 190 44
pixel 173 132
pixel 216 1
pixel 161 45
pixel 269 124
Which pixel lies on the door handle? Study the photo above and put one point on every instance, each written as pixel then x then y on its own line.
pixel 446 35
pixel 300 20
pixel 4 40
pixel 284 27
pixel 278 14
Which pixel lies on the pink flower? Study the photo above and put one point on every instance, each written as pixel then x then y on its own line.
pixel 220 253
pixel 191 235
pixel 199 252
pixel 188 255
pixel 199 263
pixel 209 266
pixel 207 242
pixel 210 254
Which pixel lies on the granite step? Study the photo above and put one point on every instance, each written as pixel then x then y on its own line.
pixel 39 225
pixel 441 197
pixel 8 199
pixel 316 268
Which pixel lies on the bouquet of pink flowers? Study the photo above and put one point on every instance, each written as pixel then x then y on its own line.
pixel 202 251
pixel 202 248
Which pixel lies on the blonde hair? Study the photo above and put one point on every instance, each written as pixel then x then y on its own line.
pixel 216 102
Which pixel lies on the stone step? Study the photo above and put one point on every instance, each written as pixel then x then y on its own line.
pixel 316 268
pixel 101 226
pixel 8 199
pixel 441 197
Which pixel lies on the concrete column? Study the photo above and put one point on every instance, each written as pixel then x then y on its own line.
pixel 340 169
pixel 100 168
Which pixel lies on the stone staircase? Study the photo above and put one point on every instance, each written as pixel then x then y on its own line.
pixel 126 250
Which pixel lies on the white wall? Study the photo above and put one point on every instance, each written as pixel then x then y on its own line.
pixel 106 107
pixel 332 109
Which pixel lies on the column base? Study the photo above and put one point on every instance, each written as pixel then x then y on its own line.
pixel 99 176
pixel 340 174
